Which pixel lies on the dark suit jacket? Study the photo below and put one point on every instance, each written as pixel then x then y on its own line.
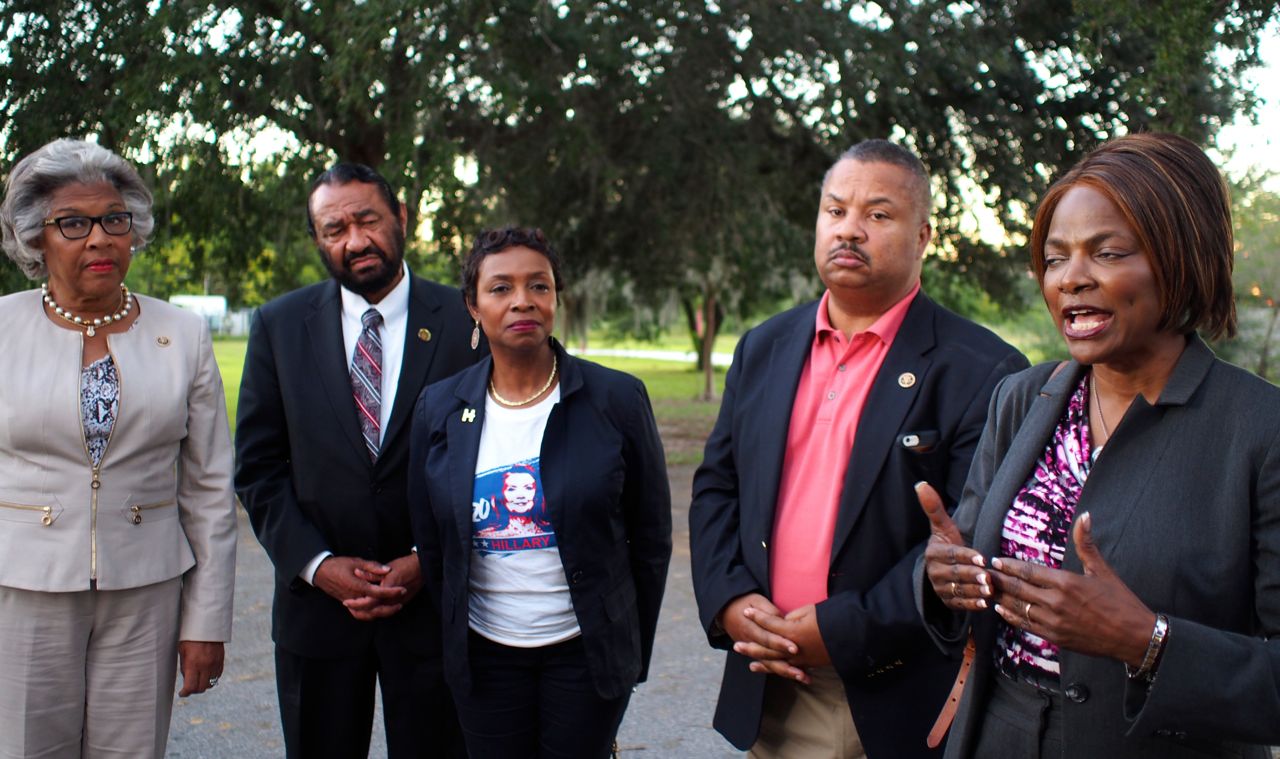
pixel 1185 503
pixel 895 680
pixel 605 479
pixel 303 473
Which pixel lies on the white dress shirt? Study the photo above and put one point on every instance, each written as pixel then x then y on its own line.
pixel 394 308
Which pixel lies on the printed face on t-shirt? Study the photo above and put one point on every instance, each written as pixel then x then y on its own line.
pixel 519 491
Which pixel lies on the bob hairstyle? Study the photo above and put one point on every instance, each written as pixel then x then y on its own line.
pixel 491 241
pixel 1178 207
pixel 42 173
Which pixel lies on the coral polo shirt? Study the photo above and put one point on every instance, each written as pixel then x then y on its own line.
pixel 824 420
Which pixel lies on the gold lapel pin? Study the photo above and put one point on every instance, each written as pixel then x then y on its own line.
pixel 906 379
pixel 468 415
pixel 424 335
pixel 162 341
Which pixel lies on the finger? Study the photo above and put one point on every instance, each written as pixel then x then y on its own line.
pixel 765 605
pixel 781 669
pixel 775 631
pixel 759 652
pixel 193 683
pixel 384 593
pixel 373 568
pixel 377 612
pixel 940 523
pixel 1087 550
pixel 363 603
pixel 1020 615
pixel 1009 574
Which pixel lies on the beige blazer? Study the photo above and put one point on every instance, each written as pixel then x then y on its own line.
pixel 160 504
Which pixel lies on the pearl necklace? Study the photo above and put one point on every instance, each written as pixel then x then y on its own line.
pixel 90 325
pixel 516 404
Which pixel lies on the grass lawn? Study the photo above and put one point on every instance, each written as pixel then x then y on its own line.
pixel 683 421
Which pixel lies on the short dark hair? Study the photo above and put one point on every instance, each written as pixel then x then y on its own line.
pixel 491 241
pixel 342 173
pixel 883 151
pixel 1179 208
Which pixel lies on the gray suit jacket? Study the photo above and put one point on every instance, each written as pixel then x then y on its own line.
pixel 1185 502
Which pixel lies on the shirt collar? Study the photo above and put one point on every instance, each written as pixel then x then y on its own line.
pixel 393 306
pixel 885 328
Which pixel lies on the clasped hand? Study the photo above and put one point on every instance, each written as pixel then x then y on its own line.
pixel 1093 613
pixel 369 589
pixel 778 644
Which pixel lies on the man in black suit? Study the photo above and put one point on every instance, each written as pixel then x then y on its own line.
pixel 804 526
pixel 330 380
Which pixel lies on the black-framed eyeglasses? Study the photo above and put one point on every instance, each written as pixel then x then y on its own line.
pixel 79 227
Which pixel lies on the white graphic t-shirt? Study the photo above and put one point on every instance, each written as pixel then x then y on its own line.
pixel 519 595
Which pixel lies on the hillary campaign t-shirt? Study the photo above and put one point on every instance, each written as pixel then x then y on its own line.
pixel 519 594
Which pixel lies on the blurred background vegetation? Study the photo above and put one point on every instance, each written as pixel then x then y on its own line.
pixel 673 149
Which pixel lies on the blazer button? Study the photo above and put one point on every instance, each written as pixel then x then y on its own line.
pixel 576 578
pixel 1077 693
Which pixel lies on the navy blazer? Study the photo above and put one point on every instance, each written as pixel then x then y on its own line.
pixel 303 472
pixel 605 479
pixel 922 428
pixel 1185 505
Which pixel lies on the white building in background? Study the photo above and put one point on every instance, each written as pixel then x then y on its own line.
pixel 214 310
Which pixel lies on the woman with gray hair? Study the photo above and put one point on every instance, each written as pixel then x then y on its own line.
pixel 117 519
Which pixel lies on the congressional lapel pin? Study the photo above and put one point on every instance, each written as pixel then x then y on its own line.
pixel 162 341
pixel 468 415
pixel 424 335
pixel 906 379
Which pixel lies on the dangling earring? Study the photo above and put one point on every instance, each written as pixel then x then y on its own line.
pixel 475 336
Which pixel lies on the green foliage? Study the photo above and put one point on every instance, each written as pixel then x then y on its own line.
pixel 672 148
pixel 1256 213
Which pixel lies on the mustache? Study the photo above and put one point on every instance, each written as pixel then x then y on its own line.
pixel 372 250
pixel 858 253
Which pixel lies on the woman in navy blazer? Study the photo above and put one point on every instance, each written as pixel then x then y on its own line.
pixel 1116 553
pixel 542 517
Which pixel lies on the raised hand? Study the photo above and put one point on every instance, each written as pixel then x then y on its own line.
pixel 956 572
pixel 1094 613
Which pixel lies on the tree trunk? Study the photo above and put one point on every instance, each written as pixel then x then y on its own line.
pixel 691 318
pixel 1266 343
pixel 710 326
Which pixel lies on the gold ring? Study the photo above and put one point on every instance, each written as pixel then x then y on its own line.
pixel 1027 613
pixel 955 590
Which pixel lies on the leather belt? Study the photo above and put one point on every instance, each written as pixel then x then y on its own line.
pixel 948 713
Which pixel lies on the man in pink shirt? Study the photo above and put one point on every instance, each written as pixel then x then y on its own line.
pixel 804 526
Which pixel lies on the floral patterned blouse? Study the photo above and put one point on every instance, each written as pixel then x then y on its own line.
pixel 1037 526
pixel 99 404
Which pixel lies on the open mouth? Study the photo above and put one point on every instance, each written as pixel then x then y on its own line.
pixel 1084 321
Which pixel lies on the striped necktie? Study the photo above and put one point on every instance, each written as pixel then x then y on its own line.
pixel 366 381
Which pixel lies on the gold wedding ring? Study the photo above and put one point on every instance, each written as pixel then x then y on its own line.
pixel 955 590
pixel 1027 613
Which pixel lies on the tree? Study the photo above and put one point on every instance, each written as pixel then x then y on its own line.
pixel 1256 212
pixel 671 147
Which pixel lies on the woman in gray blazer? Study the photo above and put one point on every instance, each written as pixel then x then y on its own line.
pixel 1116 554
pixel 117 520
